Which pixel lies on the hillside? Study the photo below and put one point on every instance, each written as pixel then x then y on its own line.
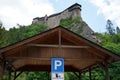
pixel 80 27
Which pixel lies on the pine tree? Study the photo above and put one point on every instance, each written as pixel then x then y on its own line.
pixel 117 30
pixel 3 36
pixel 109 27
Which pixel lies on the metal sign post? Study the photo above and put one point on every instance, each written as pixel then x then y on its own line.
pixel 57 69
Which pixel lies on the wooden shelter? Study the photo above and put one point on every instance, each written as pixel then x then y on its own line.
pixel 35 53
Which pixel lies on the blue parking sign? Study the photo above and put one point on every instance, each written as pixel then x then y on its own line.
pixel 57 65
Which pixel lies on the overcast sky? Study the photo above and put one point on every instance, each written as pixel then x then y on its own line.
pixel 94 12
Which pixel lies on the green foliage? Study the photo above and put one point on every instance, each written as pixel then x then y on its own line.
pixel 113 47
pixel 112 43
pixel 20 33
pixel 3 36
pixel 72 76
pixel 33 30
pixel 37 76
pixel 68 21
pixel 115 71
pixel 98 74
pixel 74 25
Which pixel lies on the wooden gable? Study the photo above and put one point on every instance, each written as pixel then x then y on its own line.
pixel 35 53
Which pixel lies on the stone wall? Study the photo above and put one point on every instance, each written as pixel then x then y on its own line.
pixel 73 11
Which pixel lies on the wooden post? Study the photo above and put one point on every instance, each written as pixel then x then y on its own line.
pixel 9 74
pixel 2 66
pixel 59 37
pixel 105 68
pixel 90 77
pixel 107 72
pixel 1 72
pixel 80 76
pixel 15 75
pixel 48 75
pixel 2 69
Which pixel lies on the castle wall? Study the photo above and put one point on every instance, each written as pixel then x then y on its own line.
pixel 55 20
pixel 73 11
pixel 38 20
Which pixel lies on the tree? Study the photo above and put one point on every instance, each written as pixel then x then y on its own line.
pixel 117 30
pixel 0 23
pixel 109 27
pixel 3 36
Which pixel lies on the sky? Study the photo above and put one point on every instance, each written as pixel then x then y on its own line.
pixel 94 12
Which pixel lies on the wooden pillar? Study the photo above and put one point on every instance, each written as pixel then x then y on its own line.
pixel 1 72
pixel 2 69
pixel 59 37
pixel 48 75
pixel 107 72
pixel 2 66
pixel 80 77
pixel 15 75
pixel 105 68
pixel 9 74
pixel 90 76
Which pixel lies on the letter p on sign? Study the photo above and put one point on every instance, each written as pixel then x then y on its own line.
pixel 58 63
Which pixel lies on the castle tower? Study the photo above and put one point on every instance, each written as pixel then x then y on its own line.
pixel 75 11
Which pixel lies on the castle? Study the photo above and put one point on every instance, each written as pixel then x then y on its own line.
pixel 73 11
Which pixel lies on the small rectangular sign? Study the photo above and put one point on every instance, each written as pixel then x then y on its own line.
pixel 57 76
pixel 57 65
pixel 57 69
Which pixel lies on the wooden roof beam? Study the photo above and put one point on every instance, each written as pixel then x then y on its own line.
pixel 56 46
pixel 30 58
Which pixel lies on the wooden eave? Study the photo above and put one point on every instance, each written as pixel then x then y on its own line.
pixel 78 52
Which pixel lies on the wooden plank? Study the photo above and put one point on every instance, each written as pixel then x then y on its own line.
pixel 92 66
pixel 77 63
pixel 59 37
pixel 97 53
pixel 31 58
pixel 57 46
